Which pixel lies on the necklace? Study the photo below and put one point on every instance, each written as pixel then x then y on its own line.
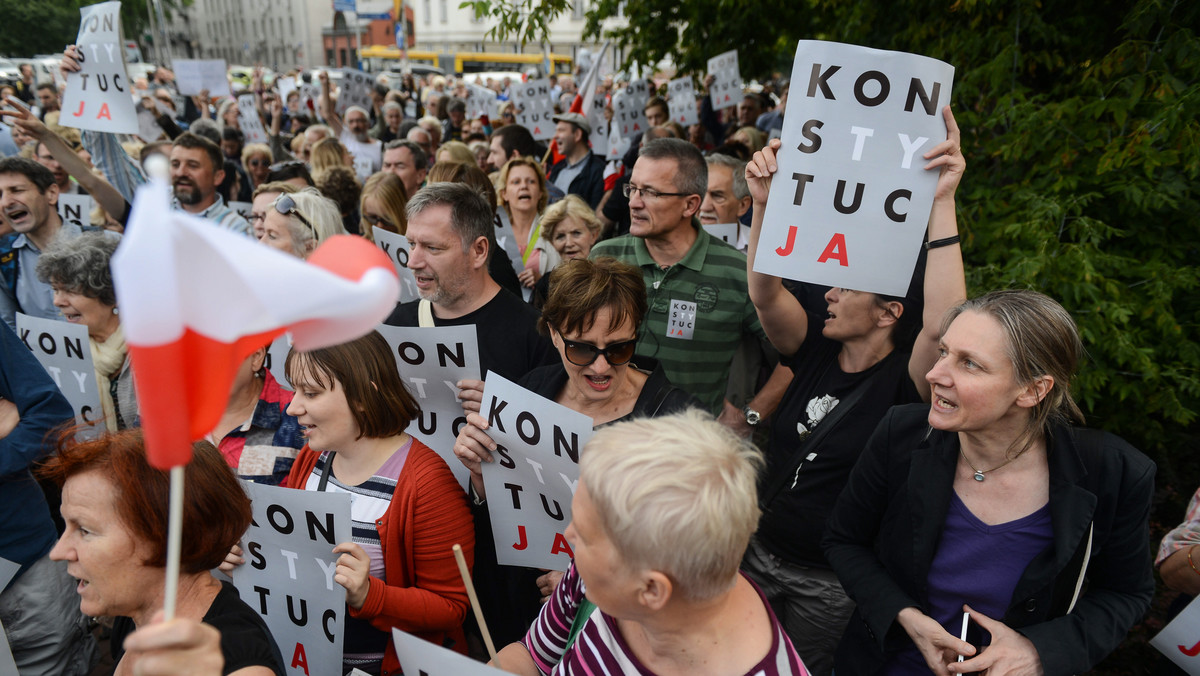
pixel 979 473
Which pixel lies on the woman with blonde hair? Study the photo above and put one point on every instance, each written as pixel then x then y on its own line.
pixel 382 205
pixel 456 151
pixel 298 222
pixel 257 160
pixel 328 152
pixel 523 195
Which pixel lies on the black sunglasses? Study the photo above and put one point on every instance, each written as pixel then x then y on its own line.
pixel 285 205
pixel 584 354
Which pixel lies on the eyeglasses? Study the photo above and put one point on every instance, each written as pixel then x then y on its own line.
pixel 376 220
pixel 650 193
pixel 256 162
pixel 285 205
pixel 584 354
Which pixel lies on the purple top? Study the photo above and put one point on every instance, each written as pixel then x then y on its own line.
pixel 979 565
pixel 601 650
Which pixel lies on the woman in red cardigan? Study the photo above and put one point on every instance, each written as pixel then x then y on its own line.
pixel 407 510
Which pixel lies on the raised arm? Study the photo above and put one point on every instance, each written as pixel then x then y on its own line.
pixel 945 282
pixel 331 118
pixel 781 315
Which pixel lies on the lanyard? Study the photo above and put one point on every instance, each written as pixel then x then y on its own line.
pixel 325 472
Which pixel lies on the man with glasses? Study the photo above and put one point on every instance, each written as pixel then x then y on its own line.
pixel 696 284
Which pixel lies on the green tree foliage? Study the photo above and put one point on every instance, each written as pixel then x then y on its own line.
pixel 46 26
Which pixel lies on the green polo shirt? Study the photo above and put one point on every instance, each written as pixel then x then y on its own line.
pixel 699 311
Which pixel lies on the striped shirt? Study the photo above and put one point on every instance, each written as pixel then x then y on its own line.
pixel 599 648
pixel 218 212
pixel 709 284
pixel 364 645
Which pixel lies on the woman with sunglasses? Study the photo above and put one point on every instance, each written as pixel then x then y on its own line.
pixel 297 223
pixel 591 316
pixel 257 159
pixel 382 205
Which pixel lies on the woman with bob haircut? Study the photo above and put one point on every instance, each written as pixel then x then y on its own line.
pixel 257 159
pixel 298 222
pixel 383 205
pixel 115 508
pixel 591 317
pixel 407 509
pixel 663 511
pixel 523 195
pixel 572 228
pixel 991 501
pixel 77 268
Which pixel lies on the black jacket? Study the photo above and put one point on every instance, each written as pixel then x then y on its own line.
pixel 1075 601
pixel 589 184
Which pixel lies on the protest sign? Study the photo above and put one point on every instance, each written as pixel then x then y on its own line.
pixel 249 120
pixel 629 108
pixel 533 478
pixel 286 85
pixel 534 107
pixel 97 98
pixel 431 360
pixel 148 129
pixel 595 117
pixel 76 209
pixel 422 658
pixel 681 100
pixel 193 76
pixel 354 90
pixel 850 202
pixel 8 569
pixel 364 166
pixel 277 353
pixel 735 235
pixel 617 145
pixel 62 348
pixel 243 209
pixel 309 95
pixel 396 248
pixel 726 89
pixel 481 102
pixel 1180 640
pixel 289 569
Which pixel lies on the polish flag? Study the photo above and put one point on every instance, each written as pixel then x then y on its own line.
pixel 196 299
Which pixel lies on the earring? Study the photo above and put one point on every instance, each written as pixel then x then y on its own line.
pixel 116 311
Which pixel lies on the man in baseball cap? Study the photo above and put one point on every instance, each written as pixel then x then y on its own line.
pixel 580 172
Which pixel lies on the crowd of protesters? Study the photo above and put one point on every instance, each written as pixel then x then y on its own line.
pixel 806 479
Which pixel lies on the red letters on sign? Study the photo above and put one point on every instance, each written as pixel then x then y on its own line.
pixel 300 659
pixel 561 545
pixel 786 249
pixel 104 112
pixel 1190 652
pixel 522 543
pixel 836 249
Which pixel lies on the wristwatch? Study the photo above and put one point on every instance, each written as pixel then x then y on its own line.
pixel 752 417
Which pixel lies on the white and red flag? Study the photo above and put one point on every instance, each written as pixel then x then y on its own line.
pixel 196 299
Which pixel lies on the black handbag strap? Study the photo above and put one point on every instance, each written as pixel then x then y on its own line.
pixel 814 439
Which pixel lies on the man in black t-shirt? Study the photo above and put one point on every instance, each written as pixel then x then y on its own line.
pixel 448 231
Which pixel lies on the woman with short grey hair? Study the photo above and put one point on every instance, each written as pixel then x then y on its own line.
pixel 78 270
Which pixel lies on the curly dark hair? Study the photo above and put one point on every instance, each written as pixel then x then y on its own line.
pixel 340 185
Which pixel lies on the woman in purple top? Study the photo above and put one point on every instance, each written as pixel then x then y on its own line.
pixel 663 511
pixel 990 501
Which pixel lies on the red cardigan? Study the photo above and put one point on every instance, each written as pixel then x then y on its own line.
pixel 424 593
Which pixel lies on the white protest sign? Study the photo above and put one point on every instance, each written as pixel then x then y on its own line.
pixel 595 117
pixel 364 166
pixel 481 102
pixel 148 129
pixel 249 120
pixel 354 90
pixel 97 98
pixel 62 348
pixel 195 75
pixel 289 569
pixel 534 107
pixel 1180 640
pixel 244 209
pixel 309 95
pixel 849 205
pixel 8 569
pixel 286 86
pixel 422 658
pixel 682 101
pixel 726 89
pixel 277 353
pixel 629 108
pixel 76 209
pixel 617 145
pixel 533 478
pixel 431 360
pixel 735 235
pixel 396 248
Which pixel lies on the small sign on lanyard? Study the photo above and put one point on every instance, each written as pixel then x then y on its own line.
pixel 681 323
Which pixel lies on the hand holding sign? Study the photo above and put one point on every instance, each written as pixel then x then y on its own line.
pixel 353 572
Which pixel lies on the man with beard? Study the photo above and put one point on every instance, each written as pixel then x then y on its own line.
pixel 197 168
pixel 28 202
pixel 354 131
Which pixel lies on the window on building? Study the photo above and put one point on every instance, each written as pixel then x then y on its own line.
pixel 442 13
pixel 428 13
pixel 577 9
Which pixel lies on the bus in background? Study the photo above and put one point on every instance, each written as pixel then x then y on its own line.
pixel 380 58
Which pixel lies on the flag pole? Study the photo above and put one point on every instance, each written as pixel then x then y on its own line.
pixel 466 576
pixel 174 539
